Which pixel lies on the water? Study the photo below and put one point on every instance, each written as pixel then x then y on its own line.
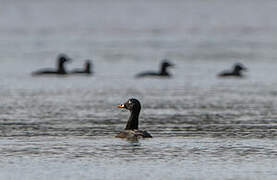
pixel 203 127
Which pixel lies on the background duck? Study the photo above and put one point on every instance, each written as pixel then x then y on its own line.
pixel 60 70
pixel 131 129
pixel 165 64
pixel 235 72
pixel 86 70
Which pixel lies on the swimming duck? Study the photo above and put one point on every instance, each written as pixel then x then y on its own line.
pixel 236 72
pixel 61 59
pixel 86 70
pixel 131 129
pixel 163 71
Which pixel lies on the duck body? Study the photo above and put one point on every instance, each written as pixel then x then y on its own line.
pixel 230 74
pixel 60 70
pixel 162 73
pixel 236 72
pixel 152 74
pixel 129 134
pixel 48 72
pixel 131 130
pixel 85 71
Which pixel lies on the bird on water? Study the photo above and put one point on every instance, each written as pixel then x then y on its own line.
pixel 131 129
pixel 87 69
pixel 235 72
pixel 60 69
pixel 165 64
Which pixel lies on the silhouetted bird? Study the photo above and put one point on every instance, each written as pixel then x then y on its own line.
pixel 163 71
pixel 235 72
pixel 131 130
pixel 62 58
pixel 86 70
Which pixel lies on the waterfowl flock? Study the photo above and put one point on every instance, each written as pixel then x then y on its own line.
pixel 131 130
pixel 163 71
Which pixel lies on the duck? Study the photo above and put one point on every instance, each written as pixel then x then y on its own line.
pixel 61 60
pixel 131 130
pixel 165 64
pixel 86 70
pixel 235 72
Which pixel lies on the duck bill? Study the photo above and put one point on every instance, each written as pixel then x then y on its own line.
pixel 121 106
pixel 69 60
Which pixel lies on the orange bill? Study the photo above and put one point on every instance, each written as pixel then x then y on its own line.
pixel 121 106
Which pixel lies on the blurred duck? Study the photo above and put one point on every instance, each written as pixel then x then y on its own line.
pixel 165 64
pixel 61 59
pixel 131 130
pixel 235 72
pixel 86 70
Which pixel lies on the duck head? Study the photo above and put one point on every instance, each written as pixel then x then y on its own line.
pixel 131 105
pixel 239 67
pixel 62 58
pixel 166 63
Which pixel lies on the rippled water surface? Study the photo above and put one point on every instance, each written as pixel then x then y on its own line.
pixel 203 127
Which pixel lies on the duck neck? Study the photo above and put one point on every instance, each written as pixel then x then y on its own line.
pixel 61 68
pixel 236 72
pixel 163 70
pixel 133 120
pixel 87 69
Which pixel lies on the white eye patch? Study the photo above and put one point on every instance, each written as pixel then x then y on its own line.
pixel 129 102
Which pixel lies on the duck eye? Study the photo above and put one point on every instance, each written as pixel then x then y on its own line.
pixel 129 102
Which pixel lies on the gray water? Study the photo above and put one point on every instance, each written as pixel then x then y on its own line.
pixel 203 127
